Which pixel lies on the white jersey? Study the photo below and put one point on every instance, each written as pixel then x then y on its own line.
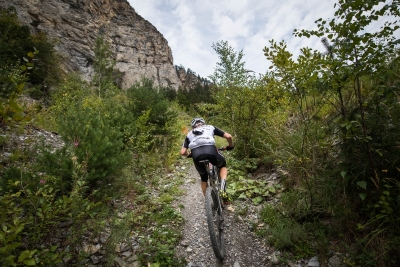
pixel 202 136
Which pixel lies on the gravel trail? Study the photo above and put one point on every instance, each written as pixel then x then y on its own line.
pixel 243 248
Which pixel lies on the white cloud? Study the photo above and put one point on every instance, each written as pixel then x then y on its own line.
pixel 191 27
pixel 229 28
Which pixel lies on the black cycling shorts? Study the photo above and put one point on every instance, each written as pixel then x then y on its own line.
pixel 207 152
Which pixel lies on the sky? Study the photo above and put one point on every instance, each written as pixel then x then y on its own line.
pixel 192 26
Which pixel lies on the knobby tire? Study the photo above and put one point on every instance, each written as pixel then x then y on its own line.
pixel 213 213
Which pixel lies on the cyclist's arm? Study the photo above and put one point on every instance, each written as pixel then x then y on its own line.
pixel 184 152
pixel 228 138
pixel 184 149
pixel 225 135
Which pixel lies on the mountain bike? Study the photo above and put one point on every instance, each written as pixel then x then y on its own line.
pixel 214 209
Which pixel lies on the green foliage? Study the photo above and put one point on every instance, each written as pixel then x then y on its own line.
pixel 49 198
pixel 243 109
pixel 242 101
pixel 161 243
pixel 90 132
pixel 103 66
pixel 145 97
pixel 192 95
pixel 189 98
pixel 47 72
pixel 95 141
pixel 283 232
pixel 11 76
pixel 12 86
pixel 152 124
pixel 169 92
pixel 33 237
pixel 336 132
pixel 162 252
pixel 92 129
pixel 246 188
pixel 101 133
pixel 230 70
pixel 151 218
pixel 16 41
pixel 14 36
pixel 242 187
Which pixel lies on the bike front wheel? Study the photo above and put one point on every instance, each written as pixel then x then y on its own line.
pixel 215 222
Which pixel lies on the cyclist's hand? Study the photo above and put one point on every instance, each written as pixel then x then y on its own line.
pixel 229 148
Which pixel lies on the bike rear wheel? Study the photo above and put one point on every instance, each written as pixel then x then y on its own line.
pixel 215 222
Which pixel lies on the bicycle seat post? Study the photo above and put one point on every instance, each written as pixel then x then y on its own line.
pixel 210 170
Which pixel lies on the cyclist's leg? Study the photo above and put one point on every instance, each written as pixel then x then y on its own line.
pixel 202 170
pixel 223 171
pixel 223 174
pixel 204 186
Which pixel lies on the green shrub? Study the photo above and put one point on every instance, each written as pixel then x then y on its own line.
pixel 12 86
pixel 159 247
pixel 16 41
pixel 30 216
pixel 14 37
pixel 95 143
pixel 57 163
pixel 144 97
pixel 283 232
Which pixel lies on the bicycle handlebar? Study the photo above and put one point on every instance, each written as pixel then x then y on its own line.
pixel 226 148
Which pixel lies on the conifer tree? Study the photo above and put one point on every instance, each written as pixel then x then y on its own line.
pixel 103 65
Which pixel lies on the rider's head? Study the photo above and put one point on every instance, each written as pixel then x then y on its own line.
pixel 197 121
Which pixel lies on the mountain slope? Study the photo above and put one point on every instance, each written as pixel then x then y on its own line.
pixel 140 50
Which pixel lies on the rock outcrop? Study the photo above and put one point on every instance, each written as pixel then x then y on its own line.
pixel 189 78
pixel 140 50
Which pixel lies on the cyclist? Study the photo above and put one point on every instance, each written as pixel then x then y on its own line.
pixel 200 140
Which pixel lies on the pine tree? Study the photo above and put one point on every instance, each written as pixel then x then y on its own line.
pixel 103 65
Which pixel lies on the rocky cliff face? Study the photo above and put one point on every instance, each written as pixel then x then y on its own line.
pixel 189 78
pixel 140 50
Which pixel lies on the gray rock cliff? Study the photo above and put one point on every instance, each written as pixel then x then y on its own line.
pixel 140 50
pixel 189 78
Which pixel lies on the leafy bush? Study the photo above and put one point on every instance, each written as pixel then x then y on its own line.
pixel 281 231
pixel 144 97
pixel 12 86
pixel 101 125
pixel 16 41
pixel 14 37
pixel 161 243
pixel 331 122
pixel 337 143
pixel 190 97
pixel 31 214
pixel 88 130
pixel 152 125
pixel 242 102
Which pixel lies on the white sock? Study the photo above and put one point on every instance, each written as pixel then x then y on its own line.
pixel 223 184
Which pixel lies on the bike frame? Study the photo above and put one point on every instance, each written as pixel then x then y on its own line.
pixel 216 234
pixel 213 178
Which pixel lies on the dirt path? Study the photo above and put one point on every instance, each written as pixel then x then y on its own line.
pixel 243 248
